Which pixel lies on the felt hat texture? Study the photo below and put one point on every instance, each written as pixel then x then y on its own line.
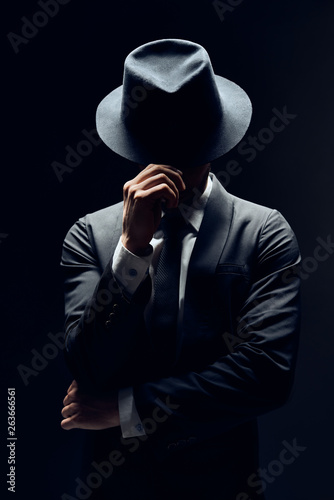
pixel 172 109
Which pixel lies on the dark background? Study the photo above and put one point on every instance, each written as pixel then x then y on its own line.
pixel 281 53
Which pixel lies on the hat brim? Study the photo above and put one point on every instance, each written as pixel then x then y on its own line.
pixel 235 120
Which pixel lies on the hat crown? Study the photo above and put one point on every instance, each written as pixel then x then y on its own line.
pixel 170 93
pixel 167 64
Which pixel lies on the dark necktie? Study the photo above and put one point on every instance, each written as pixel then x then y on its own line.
pixel 166 285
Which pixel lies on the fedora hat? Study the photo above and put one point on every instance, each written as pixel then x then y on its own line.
pixel 172 109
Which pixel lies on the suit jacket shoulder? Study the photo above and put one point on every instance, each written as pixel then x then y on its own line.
pixel 98 232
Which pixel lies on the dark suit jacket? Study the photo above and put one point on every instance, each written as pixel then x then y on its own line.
pixel 235 354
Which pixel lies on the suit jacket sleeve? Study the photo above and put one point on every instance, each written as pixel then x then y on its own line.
pixel 257 374
pixel 102 327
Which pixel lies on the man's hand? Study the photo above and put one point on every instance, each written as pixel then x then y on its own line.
pixel 143 196
pixel 82 411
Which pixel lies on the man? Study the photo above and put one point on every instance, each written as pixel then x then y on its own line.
pixel 181 324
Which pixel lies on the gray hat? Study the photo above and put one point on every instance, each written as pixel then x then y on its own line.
pixel 172 109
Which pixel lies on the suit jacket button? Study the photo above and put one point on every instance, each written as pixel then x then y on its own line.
pixel 171 446
pixel 116 308
pixel 111 316
pixel 108 324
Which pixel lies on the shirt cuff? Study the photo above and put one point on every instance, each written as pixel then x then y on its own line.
pixel 130 422
pixel 129 269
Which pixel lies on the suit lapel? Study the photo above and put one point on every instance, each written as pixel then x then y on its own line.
pixel 213 232
pixel 208 248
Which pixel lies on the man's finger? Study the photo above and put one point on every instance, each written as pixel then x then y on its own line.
pixel 171 172
pixel 73 389
pixel 73 384
pixel 68 423
pixel 158 192
pixel 157 179
pixel 74 395
pixel 154 166
pixel 160 181
pixel 69 410
pixel 68 399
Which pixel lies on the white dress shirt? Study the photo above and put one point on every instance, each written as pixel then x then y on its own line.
pixel 130 270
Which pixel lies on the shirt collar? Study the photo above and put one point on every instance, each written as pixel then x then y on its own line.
pixel 194 213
